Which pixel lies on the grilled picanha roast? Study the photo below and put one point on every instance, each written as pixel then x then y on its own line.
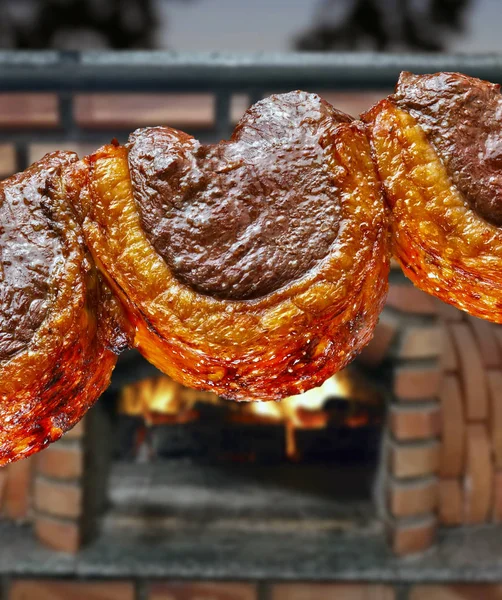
pixel 254 268
pixel 437 143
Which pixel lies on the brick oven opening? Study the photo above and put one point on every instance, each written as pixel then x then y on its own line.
pixel 181 457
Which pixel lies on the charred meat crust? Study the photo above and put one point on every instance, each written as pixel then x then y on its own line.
pixel 30 251
pixel 243 218
pixel 462 117
pixel 60 326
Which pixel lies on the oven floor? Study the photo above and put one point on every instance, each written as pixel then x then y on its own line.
pixel 150 498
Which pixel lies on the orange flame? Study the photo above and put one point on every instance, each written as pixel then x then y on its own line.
pixel 162 400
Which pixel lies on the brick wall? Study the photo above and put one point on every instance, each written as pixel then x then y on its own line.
pixel 470 467
pixel 408 334
pixel 52 589
pixel 442 453
pixel 444 438
pixel 58 489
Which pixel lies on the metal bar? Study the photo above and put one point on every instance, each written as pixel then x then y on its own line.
pixel 66 114
pixel 222 114
pixel 169 71
pixel 22 161
pixel 255 96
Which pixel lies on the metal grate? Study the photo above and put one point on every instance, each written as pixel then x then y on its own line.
pixel 67 73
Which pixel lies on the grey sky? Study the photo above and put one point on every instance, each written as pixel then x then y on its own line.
pixel 483 31
pixel 247 25
pixel 240 25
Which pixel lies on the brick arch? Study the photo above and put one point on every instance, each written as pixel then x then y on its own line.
pixel 442 452
pixel 470 470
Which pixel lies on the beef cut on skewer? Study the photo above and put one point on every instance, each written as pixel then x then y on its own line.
pixel 58 322
pixel 255 268
pixel 437 143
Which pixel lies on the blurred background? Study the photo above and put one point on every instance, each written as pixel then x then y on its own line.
pixel 160 483
pixel 240 25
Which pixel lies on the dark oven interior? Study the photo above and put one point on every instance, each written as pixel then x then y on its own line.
pixel 176 455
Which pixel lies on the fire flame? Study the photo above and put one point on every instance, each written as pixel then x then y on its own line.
pixel 161 400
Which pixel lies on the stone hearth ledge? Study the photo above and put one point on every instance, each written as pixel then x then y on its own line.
pixel 461 555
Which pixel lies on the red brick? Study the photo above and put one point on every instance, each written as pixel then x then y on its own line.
pixel 473 376
pixel 202 591
pixel 58 499
pixel 378 348
pixel 334 591
pixel 451 502
pixel 484 333
pixel 416 382
pixel 413 498
pixel 239 103
pixel 16 501
pixel 60 535
pixel 409 299
pixel 47 589
pixel 28 110
pixel 448 312
pixel 139 110
pixel 421 342
pixel 478 488
pixel 76 433
pixel 453 428
pixel 415 459
pixel 61 462
pixel 38 151
pixel 410 537
pixel 497 332
pixel 495 420
pixel 4 471
pixel 449 359
pixel 415 423
pixel 457 592
pixel 354 103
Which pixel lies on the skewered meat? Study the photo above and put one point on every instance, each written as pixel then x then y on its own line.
pixel 254 268
pixel 58 323
pixel 438 146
